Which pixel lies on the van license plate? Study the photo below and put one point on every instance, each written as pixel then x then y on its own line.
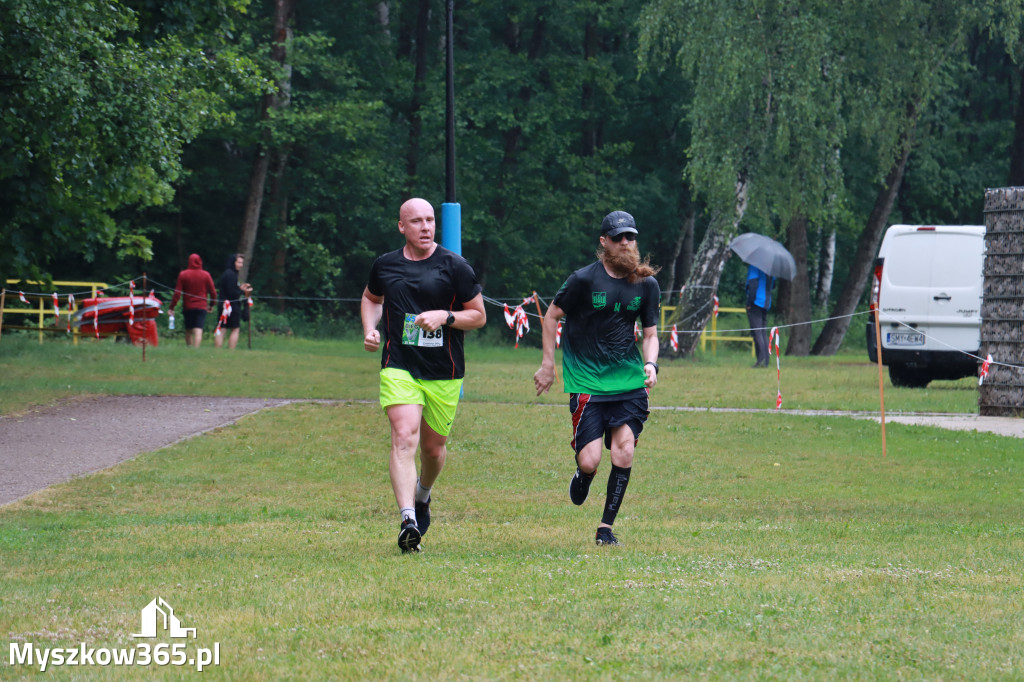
pixel 904 339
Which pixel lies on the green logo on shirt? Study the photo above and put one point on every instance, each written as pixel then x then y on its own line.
pixel 600 299
pixel 634 304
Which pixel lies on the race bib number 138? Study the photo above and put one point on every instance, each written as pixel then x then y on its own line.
pixel 417 336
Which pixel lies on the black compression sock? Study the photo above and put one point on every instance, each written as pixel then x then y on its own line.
pixel 618 479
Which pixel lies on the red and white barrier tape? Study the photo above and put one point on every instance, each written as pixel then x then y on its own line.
pixel 131 303
pixel 223 320
pixel 517 319
pixel 774 336
pixel 984 369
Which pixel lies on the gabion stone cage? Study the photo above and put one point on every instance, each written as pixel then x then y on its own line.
pixel 1002 306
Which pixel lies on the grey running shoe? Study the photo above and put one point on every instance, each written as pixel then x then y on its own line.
pixel 579 487
pixel 409 536
pixel 423 515
pixel 606 537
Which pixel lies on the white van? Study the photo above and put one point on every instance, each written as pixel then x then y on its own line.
pixel 927 286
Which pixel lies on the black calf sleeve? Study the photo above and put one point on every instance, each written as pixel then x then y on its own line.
pixel 618 479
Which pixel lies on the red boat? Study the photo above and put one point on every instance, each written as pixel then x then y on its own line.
pixel 132 315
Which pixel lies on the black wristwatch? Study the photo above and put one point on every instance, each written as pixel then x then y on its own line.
pixel 451 319
pixel 654 364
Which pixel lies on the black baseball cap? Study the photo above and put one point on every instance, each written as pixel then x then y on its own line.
pixel 618 222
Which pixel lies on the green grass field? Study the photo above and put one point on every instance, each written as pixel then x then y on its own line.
pixel 757 545
pixel 33 374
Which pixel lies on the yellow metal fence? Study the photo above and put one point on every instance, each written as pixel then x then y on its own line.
pixel 712 335
pixel 40 306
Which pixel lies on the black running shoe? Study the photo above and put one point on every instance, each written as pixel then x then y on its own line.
pixel 579 487
pixel 409 536
pixel 606 537
pixel 423 515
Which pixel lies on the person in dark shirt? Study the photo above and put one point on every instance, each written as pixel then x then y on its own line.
pixel 233 293
pixel 427 297
pixel 198 297
pixel 607 380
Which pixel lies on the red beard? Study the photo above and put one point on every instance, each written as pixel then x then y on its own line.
pixel 624 262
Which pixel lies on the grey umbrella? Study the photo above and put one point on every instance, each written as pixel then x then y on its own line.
pixel 765 254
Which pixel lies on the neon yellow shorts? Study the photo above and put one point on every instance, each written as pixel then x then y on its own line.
pixel 439 398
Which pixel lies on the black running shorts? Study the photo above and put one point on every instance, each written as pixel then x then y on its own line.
pixel 195 318
pixel 593 418
pixel 234 320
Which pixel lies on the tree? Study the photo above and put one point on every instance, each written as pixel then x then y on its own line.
pixel 555 131
pixel 764 118
pixel 334 163
pixel 903 57
pixel 96 113
pixel 266 151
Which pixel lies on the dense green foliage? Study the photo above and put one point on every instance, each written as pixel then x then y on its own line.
pixel 97 108
pixel 130 130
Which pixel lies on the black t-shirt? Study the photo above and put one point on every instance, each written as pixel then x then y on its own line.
pixel 599 353
pixel 444 281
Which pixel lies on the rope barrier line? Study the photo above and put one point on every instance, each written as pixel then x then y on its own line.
pixel 504 301
pixel 970 355
pixel 501 302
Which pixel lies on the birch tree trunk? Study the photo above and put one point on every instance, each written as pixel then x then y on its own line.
pixel 826 269
pixel 695 304
pixel 283 11
pixel 384 17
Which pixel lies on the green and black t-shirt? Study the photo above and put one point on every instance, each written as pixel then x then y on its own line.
pixel 599 353
pixel 444 281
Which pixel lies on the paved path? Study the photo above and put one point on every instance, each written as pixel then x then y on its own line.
pixel 51 445
pixel 1002 426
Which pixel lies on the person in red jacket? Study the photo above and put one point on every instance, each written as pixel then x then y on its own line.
pixel 199 296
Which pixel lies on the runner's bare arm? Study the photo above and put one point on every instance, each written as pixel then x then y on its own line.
pixel 544 377
pixel 650 347
pixel 370 310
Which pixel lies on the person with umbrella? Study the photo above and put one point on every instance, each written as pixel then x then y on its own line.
pixel 759 302
pixel 766 260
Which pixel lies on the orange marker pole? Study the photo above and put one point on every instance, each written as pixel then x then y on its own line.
pixel 537 301
pixel 881 383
